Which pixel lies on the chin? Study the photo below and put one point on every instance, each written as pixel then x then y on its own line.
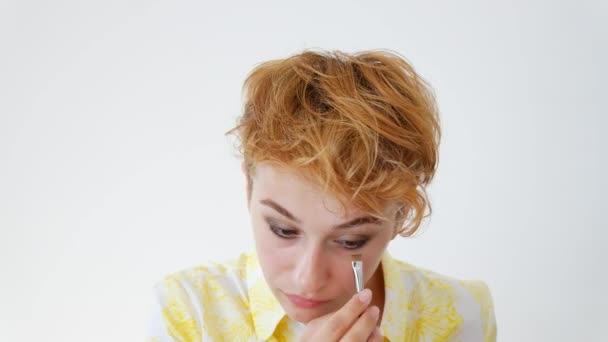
pixel 303 315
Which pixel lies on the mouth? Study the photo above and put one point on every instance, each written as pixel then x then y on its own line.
pixel 305 303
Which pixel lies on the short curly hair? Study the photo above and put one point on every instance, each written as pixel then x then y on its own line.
pixel 364 126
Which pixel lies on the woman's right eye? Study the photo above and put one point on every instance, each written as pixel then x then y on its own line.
pixel 283 233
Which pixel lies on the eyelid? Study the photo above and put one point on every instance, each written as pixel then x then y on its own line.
pixel 283 233
pixel 287 232
pixel 358 243
pixel 274 223
pixel 358 239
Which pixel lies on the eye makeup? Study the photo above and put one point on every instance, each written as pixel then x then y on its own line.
pixel 351 243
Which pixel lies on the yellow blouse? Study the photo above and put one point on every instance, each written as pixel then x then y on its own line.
pixel 232 302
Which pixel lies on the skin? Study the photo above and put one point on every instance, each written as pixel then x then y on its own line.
pixel 302 248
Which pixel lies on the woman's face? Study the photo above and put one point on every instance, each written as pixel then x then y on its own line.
pixel 304 241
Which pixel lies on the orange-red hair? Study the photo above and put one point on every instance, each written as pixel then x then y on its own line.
pixel 365 126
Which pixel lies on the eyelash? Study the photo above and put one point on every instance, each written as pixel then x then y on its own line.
pixel 290 234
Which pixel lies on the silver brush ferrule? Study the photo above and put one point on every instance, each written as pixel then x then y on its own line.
pixel 358 271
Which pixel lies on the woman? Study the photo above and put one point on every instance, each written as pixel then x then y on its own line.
pixel 338 150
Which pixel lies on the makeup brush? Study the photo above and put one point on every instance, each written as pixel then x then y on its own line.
pixel 357 264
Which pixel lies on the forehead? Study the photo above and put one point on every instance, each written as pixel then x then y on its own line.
pixel 296 192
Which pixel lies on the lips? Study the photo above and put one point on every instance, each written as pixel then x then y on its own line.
pixel 305 303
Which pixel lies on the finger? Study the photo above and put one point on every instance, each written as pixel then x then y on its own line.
pixel 341 321
pixel 365 326
pixel 376 336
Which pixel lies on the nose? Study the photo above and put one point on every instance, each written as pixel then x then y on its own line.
pixel 311 271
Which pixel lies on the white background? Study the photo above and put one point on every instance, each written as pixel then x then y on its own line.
pixel 114 169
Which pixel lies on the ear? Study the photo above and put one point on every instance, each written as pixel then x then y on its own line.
pixel 248 183
pixel 400 217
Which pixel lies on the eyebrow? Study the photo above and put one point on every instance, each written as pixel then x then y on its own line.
pixel 367 219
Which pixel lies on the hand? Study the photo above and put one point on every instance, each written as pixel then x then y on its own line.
pixel 355 321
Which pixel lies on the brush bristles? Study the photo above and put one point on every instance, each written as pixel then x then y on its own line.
pixel 356 257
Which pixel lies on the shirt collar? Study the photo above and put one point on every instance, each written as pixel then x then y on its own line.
pixel 266 311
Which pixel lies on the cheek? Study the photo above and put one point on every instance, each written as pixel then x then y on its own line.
pixel 261 235
pixel 273 260
pixel 373 256
pixel 273 265
pixel 344 277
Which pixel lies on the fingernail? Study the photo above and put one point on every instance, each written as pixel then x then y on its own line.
pixel 365 296
pixel 378 331
pixel 375 311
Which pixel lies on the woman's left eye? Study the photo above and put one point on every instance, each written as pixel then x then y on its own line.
pixel 349 244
